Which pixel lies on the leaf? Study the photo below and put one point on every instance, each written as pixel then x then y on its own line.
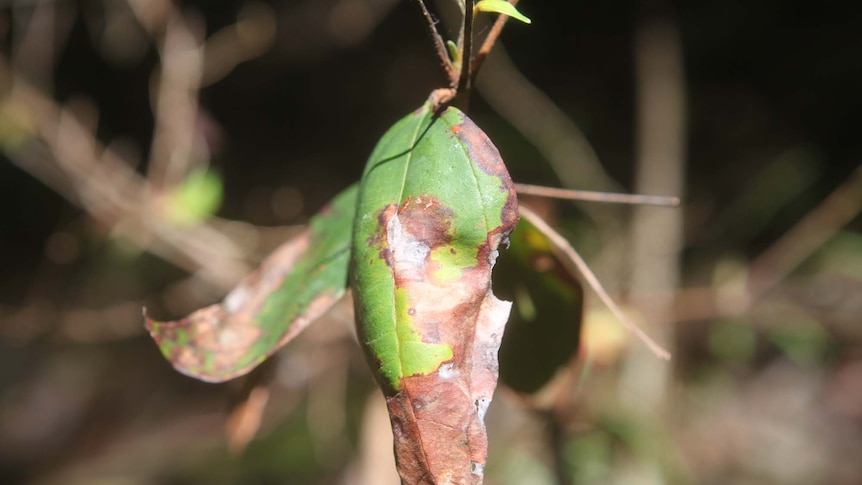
pixel 294 286
pixel 544 332
pixel 435 202
pixel 502 7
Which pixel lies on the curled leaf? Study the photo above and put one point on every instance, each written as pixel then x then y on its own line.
pixel 435 203
pixel 294 286
pixel 501 7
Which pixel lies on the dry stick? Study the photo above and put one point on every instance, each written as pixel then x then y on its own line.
pixel 489 42
pixel 592 196
pixel 439 45
pixel 569 254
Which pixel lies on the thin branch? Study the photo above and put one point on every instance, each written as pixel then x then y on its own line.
pixel 591 196
pixel 489 42
pixel 439 45
pixel 465 81
pixel 568 254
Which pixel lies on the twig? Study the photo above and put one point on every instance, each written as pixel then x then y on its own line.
pixel 489 42
pixel 439 45
pixel 465 81
pixel 568 254
pixel 591 196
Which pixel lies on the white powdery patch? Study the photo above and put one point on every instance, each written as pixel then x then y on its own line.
pixel 408 252
pixel 477 468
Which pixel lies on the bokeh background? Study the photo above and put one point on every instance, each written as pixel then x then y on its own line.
pixel 153 152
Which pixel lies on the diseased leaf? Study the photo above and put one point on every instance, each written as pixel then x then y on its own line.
pixel 294 286
pixel 435 202
pixel 543 334
pixel 502 7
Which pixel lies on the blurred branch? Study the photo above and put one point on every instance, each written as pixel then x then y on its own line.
pixel 543 124
pixel 38 30
pixel 375 464
pixel 817 227
pixel 152 14
pixel 73 163
pixel 249 37
pixel 99 181
pixel 176 144
pixel 656 234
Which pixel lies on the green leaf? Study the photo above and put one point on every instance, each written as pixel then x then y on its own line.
pixel 502 7
pixel 197 198
pixel 435 202
pixel 293 287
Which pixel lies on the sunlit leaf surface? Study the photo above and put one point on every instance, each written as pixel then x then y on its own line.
pixel 435 203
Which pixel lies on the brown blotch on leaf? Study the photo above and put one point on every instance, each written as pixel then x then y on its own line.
pixel 485 155
pixel 426 220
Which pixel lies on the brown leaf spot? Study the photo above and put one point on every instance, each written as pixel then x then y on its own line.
pixel 426 220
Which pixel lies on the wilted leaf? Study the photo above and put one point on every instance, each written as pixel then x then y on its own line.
pixel 294 286
pixel 544 332
pixel 435 202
